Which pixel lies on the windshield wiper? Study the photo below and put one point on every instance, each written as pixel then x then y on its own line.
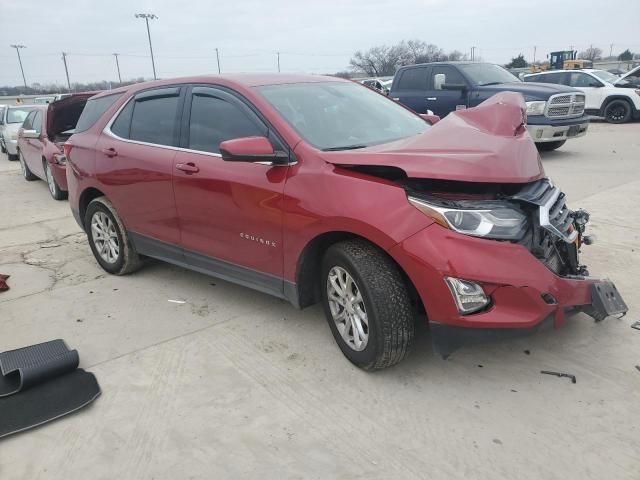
pixel 346 147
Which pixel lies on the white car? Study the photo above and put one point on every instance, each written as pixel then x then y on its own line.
pixel 603 97
pixel 10 123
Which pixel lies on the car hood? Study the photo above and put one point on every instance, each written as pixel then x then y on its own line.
pixel 530 90
pixel 488 143
pixel 62 115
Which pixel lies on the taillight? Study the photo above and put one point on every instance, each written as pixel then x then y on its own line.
pixel 60 158
pixel 67 149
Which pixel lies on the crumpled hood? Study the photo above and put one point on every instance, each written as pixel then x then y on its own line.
pixel 488 143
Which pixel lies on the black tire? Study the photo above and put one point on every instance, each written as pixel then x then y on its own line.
pixel 2 148
pixel 54 188
pixel 549 146
pixel 617 111
pixel 13 157
pixel 127 260
pixel 26 173
pixel 386 301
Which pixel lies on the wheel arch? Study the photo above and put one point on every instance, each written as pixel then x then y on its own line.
pixel 87 195
pixel 307 286
pixel 611 98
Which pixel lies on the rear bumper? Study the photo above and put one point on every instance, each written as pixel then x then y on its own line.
pixel 556 133
pixel 524 292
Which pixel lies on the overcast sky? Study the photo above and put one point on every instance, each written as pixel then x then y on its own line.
pixel 312 36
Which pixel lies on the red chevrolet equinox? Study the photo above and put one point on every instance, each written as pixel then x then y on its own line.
pixel 317 189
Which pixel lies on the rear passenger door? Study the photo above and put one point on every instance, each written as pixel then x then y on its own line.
pixel 411 88
pixel 230 212
pixel 592 88
pixel 442 102
pixel 134 163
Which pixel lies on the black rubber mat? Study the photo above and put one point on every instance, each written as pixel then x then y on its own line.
pixel 41 383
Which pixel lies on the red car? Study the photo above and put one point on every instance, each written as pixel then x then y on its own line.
pixel 41 137
pixel 316 189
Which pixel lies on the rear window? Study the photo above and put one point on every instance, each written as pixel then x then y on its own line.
pixel 413 79
pixel 552 77
pixel 532 78
pixel 93 110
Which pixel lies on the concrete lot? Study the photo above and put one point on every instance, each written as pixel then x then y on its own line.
pixel 236 384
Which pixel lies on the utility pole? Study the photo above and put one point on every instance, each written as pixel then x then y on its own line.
pixel 534 54
pixel 118 67
pixel 147 17
pixel 66 70
pixel 473 53
pixel 218 59
pixel 278 53
pixel 611 50
pixel 18 47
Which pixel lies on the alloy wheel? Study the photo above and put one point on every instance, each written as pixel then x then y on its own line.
pixel 347 308
pixel 50 180
pixel 105 237
pixel 23 167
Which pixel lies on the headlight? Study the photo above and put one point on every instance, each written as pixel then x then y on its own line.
pixel 536 108
pixel 495 221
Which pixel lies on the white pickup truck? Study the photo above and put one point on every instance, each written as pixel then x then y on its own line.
pixel 603 98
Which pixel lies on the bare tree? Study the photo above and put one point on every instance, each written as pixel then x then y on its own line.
pixel 457 56
pixel 591 53
pixel 378 61
pixel 417 51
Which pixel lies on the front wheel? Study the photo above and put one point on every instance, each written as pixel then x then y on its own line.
pixel 54 188
pixel 367 304
pixel 108 238
pixel 27 174
pixel 617 111
pixel 549 146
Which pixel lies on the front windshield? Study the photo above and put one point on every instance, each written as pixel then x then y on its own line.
pixel 487 73
pixel 341 115
pixel 606 76
pixel 17 115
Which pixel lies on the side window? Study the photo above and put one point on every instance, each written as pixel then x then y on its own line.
pixel 444 74
pixel 532 78
pixel 214 120
pixel 37 122
pixel 579 79
pixel 155 117
pixel 28 122
pixel 413 79
pixel 553 77
pixel 93 110
pixel 122 125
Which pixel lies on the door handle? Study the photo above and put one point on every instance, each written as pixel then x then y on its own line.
pixel 110 152
pixel 432 98
pixel 187 167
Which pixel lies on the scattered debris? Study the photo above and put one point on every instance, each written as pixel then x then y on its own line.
pixel 638 367
pixel 179 302
pixel 636 325
pixel 480 366
pixel 497 441
pixel 527 352
pixel 560 374
pixel 3 282
pixel 212 284
pixel 49 245
pixel 514 391
pixel 79 320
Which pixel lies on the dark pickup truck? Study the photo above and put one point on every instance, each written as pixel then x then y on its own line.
pixel 555 113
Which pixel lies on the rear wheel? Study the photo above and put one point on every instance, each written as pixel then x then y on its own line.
pixel 12 157
pixel 54 188
pixel 3 148
pixel 367 304
pixel 617 111
pixel 26 173
pixel 549 146
pixel 108 238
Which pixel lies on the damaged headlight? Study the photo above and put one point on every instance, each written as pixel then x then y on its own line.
pixel 536 108
pixel 486 219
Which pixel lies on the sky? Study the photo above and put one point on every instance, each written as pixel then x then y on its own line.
pixel 314 36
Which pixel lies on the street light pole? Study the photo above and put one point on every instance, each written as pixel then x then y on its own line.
pixel 218 59
pixel 118 67
pixel 147 17
pixel 278 62
pixel 66 70
pixel 18 47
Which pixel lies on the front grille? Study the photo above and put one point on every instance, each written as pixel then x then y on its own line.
pixel 565 105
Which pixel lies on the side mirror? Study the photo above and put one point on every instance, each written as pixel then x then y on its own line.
pixel 251 149
pixel 430 118
pixel 30 134
pixel 454 86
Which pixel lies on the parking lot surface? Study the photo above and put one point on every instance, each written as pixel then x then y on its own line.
pixel 236 384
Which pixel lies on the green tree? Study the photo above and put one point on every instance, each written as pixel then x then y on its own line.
pixel 626 55
pixel 517 62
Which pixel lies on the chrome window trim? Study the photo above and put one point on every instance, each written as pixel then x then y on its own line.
pixel 107 131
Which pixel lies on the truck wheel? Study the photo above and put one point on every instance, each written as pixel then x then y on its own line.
pixel 549 146
pixel 24 168
pixel 367 304
pixel 617 111
pixel 108 238
pixel 55 190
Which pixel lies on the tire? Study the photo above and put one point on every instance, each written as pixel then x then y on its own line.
pixel 3 148
pixel 385 304
pixel 617 111
pixel 54 188
pixel 549 146
pixel 123 261
pixel 26 173
pixel 13 157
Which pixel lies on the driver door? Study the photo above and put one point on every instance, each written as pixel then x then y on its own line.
pixel 229 212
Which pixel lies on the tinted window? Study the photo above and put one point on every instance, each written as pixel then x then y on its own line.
pixel 532 78
pixel 552 78
pixel 154 120
pixel 451 76
pixel 37 122
pixel 214 120
pixel 28 121
pixel 413 79
pixel 487 73
pixel 579 79
pixel 93 110
pixel 122 125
